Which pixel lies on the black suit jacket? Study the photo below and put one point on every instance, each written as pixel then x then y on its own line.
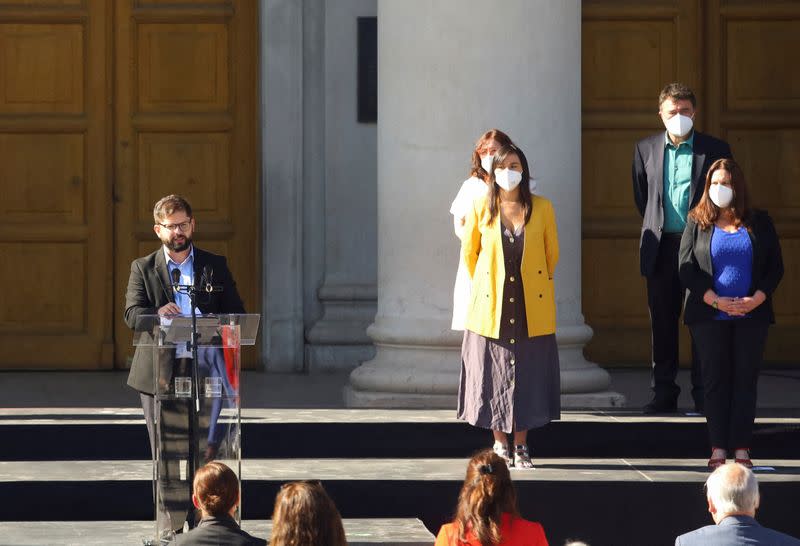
pixel 696 271
pixel 648 186
pixel 218 532
pixel 149 288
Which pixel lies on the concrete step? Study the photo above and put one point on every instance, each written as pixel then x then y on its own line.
pixel 360 532
pixel 627 498
pixel 119 434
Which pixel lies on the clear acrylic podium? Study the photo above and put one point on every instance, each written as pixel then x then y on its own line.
pixel 197 411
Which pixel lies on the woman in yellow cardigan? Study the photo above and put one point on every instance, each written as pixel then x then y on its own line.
pixel 509 359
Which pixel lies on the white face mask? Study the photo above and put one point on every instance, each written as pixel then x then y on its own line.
pixel 507 179
pixel 679 125
pixel 533 184
pixel 486 162
pixel 720 195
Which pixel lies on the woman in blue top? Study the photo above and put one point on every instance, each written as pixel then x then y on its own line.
pixel 730 261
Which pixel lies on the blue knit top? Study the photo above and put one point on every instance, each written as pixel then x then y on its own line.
pixel 732 261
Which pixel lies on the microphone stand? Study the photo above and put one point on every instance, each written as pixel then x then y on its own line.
pixel 194 408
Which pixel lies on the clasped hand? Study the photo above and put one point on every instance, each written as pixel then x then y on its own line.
pixel 738 307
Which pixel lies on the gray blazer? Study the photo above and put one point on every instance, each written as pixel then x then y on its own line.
pixel 648 186
pixel 149 288
pixel 736 531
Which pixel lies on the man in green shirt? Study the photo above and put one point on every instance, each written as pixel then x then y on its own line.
pixel 669 172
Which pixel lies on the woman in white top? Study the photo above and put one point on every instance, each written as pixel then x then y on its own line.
pixel 472 188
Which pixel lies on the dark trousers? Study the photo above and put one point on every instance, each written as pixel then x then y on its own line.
pixel 731 352
pixel 665 299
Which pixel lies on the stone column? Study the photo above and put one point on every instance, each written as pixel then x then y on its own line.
pixel 338 340
pixel 449 70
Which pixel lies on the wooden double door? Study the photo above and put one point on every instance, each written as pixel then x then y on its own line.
pixel 736 55
pixel 104 108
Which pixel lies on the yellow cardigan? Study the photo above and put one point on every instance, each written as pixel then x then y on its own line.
pixel 482 252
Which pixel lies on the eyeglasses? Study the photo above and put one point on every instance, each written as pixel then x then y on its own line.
pixel 183 226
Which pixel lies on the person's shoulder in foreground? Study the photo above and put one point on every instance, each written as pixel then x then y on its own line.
pixel 733 499
pixel 735 530
pixel 217 531
pixel 518 531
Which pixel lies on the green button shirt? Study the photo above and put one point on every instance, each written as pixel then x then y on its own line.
pixel 677 183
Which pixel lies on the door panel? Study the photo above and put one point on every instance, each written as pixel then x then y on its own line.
pixel 55 219
pixel 630 50
pixel 186 116
pixel 745 96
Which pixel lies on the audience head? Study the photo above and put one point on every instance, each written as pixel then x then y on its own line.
pixel 487 493
pixel 485 148
pixel 571 542
pixel 732 490
pixel 305 515
pixel 216 490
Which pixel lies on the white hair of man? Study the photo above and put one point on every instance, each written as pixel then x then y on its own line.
pixel 733 489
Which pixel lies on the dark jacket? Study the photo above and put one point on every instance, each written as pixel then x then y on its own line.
pixel 735 530
pixel 696 272
pixel 149 288
pixel 218 532
pixel 648 187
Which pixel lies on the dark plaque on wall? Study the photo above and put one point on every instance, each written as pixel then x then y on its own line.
pixel 367 69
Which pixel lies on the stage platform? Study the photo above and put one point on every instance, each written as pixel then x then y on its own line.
pixel 74 465
pixel 360 532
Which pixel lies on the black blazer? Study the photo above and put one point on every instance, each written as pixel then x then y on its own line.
pixel 696 271
pixel 218 532
pixel 648 186
pixel 149 288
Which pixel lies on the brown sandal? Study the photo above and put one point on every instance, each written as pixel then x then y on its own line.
pixel 745 461
pixel 715 462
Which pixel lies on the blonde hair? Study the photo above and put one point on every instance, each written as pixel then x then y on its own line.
pixel 305 515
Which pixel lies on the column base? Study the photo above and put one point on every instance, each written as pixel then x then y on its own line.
pixel 397 400
pixel 593 400
pixel 417 365
pixel 336 358
pixel 394 400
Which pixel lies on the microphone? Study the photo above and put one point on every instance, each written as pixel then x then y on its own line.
pixel 176 277
pixel 208 278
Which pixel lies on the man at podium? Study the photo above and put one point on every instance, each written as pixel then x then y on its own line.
pixel 151 291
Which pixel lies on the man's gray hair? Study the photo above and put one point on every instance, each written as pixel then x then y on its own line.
pixel 733 489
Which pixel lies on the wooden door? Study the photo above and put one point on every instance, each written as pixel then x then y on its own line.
pixel 56 220
pixel 753 77
pixel 186 123
pixel 731 52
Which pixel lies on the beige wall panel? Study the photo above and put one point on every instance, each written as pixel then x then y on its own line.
pixel 41 68
pixel 195 165
pixel 756 77
pixel 46 288
pixel 45 174
pixel 771 164
pixel 611 49
pixel 183 67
